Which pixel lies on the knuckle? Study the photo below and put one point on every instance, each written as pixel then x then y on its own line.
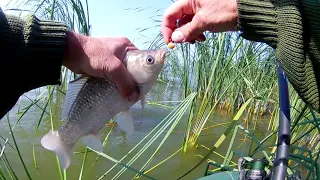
pixel 123 44
pixel 202 17
pixel 166 14
pixel 111 66
pixel 116 66
pixel 106 66
pixel 113 72
pixel 187 33
pixel 124 40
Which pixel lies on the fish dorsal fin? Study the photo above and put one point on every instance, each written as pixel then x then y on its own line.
pixel 72 92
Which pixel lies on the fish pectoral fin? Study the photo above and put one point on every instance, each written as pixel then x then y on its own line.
pixel 143 102
pixel 52 142
pixel 125 121
pixel 93 141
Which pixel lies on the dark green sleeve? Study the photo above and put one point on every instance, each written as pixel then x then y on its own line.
pixel 32 52
pixel 292 27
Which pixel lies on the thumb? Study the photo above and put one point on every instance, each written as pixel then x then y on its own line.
pixel 190 30
pixel 118 74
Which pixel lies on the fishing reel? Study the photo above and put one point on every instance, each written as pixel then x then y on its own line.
pixel 256 170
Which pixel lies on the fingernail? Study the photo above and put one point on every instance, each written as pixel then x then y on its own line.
pixel 177 36
pixel 134 96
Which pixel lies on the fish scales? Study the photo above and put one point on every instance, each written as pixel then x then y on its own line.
pixel 95 105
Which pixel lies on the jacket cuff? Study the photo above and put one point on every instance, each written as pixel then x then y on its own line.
pixel 284 25
pixel 39 47
pixel 257 21
pixel 45 43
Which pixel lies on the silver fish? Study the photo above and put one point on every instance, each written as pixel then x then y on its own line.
pixel 91 102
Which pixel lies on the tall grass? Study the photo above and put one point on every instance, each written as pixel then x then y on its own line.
pixel 226 73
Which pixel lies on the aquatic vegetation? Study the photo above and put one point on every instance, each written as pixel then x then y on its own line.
pixel 225 74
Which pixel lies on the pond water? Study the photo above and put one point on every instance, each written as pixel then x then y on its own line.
pixel 118 144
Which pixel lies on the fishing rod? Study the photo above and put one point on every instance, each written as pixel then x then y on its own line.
pixel 280 164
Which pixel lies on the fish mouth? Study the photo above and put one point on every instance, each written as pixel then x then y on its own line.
pixel 162 56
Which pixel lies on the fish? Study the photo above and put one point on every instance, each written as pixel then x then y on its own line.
pixel 91 102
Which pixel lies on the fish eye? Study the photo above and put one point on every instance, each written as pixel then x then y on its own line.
pixel 150 59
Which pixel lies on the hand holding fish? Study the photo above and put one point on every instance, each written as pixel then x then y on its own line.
pixel 102 57
pixel 197 16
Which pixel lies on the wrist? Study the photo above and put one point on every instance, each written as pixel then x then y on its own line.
pixel 235 17
pixel 75 50
pixel 257 21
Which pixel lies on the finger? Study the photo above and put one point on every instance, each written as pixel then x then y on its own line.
pixel 201 37
pixel 172 14
pixel 123 45
pixel 184 20
pixel 190 30
pixel 127 43
pixel 118 74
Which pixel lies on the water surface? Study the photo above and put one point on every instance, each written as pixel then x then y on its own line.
pixel 118 144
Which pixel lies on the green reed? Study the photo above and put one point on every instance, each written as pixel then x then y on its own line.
pixel 226 71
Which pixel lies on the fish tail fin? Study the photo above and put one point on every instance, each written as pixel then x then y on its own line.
pixel 52 142
pixel 93 141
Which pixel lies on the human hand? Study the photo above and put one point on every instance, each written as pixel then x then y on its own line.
pixel 197 16
pixel 102 57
